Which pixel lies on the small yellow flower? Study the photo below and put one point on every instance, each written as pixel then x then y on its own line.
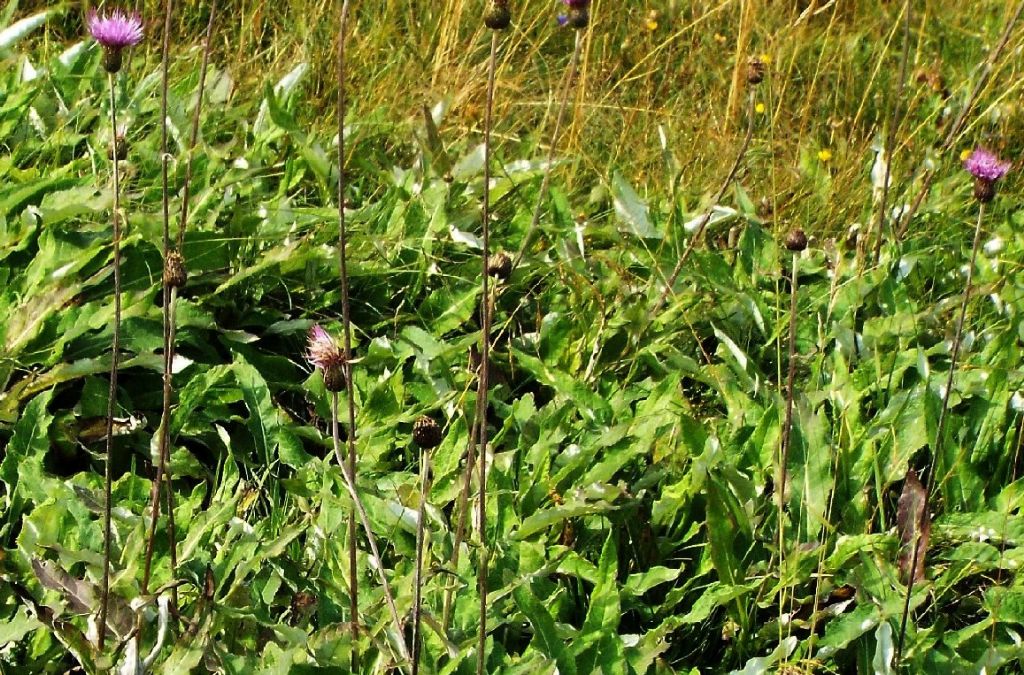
pixel 825 156
pixel 719 38
pixel 759 108
pixel 766 59
pixel 965 154
pixel 652 25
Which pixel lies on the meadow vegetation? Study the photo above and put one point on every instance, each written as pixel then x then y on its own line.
pixel 749 406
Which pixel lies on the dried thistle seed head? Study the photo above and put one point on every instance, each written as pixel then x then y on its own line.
pixel 334 378
pixel 120 144
pixel 796 240
pixel 499 265
pixel 497 15
pixel 755 70
pixel 175 274
pixel 426 433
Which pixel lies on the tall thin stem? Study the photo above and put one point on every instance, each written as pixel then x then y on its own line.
pixel 165 413
pixel 417 605
pixel 890 136
pixel 787 426
pixel 346 318
pixel 706 218
pixel 114 362
pixel 568 78
pixel 485 358
pixel 350 485
pixel 943 414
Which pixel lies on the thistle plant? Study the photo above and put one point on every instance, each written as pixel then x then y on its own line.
pixel 577 16
pixel 163 433
pixel 987 169
pixel 955 129
pixel 326 355
pixel 175 276
pixel 796 243
pixel 115 32
pixel 496 17
pixel 346 368
pixel 427 434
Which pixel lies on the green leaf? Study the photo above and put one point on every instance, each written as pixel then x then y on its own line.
pixel 17 627
pixel 631 210
pixel 599 643
pixel 545 634
pixel 266 423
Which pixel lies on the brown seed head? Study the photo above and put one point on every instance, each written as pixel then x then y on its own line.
pixel 755 70
pixel 796 240
pixel 426 433
pixel 499 265
pixel 497 15
pixel 175 274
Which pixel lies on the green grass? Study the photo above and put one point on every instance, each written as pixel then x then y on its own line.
pixel 632 496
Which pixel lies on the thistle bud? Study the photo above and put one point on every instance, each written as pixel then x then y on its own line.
pixel 118 147
pixel 796 240
pixel 175 274
pixel 497 15
pixel 755 71
pixel 426 433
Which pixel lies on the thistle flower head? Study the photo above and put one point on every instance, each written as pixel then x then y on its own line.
pixel 115 30
pixel 985 166
pixel 323 350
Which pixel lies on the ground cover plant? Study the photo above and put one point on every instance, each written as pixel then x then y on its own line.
pixel 503 337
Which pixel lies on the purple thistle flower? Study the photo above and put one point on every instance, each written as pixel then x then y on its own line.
pixel 325 354
pixel 985 166
pixel 323 351
pixel 116 30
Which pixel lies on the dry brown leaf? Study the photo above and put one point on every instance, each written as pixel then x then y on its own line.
pixel 914 526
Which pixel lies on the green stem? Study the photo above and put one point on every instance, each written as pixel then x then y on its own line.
pixel 115 353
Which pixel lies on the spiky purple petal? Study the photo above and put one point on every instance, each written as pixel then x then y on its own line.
pixel 115 30
pixel 985 165
pixel 323 350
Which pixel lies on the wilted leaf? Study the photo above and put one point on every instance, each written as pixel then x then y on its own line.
pixel 914 526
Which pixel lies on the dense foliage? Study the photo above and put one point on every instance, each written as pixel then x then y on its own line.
pixel 632 508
